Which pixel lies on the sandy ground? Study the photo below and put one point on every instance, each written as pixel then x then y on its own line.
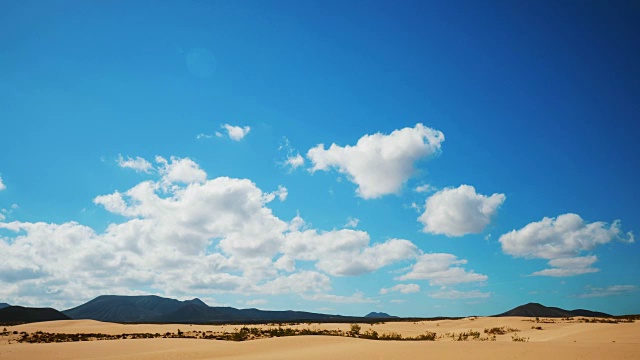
pixel 557 340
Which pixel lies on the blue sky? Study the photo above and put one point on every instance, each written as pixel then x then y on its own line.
pixel 484 154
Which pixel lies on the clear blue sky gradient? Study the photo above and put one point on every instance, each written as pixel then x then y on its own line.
pixel 538 100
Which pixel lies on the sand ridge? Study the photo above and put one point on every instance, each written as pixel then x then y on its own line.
pixel 561 339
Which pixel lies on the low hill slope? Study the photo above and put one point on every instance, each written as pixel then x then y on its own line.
pixel 19 314
pixel 539 310
pixel 379 315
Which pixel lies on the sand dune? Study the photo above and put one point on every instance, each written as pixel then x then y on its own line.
pixel 556 340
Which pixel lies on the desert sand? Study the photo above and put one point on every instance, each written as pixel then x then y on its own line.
pixel 558 340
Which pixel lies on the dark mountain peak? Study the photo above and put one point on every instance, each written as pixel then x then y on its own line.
pixel 379 315
pixel 121 308
pixel 539 310
pixel 20 314
pixel 195 301
pixel 4 305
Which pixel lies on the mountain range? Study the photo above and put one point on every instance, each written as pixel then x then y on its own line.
pixel 156 309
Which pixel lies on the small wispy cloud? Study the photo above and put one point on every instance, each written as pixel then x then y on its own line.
pixel 138 164
pixel 357 297
pixel 401 288
pixel 426 188
pixel 255 302
pixel 613 290
pixel 352 222
pixel 456 294
pixel 204 136
pixel 236 133
pixel 293 159
pixel 2 185
pixel 569 267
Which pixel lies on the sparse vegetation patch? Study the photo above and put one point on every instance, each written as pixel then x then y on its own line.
pixel 240 334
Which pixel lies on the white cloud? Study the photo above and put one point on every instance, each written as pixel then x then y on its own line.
pixel 441 269
pixel 180 170
pixel 352 222
pixel 281 194
pixel 401 288
pixel 301 283
pixel 295 161
pixel 5 212
pixel 455 294
pixel 559 240
pixel 379 164
pixel 2 185
pixel 459 211
pixel 138 164
pixel 346 252
pixel 614 290
pixel 561 237
pixel 204 136
pixel 357 297
pixel 236 133
pixel 425 188
pixel 186 235
pixel 256 302
pixel 569 267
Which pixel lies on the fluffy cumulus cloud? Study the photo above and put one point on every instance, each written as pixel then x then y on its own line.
pixel 236 133
pixel 614 290
pixel 441 269
pixel 138 164
pixel 560 240
pixel 185 234
pixel 456 294
pixel 180 170
pixel 459 211
pixel 2 185
pixel 346 252
pixel 564 236
pixel 401 288
pixel 379 164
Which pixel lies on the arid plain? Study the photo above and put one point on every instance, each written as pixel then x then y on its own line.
pixel 468 338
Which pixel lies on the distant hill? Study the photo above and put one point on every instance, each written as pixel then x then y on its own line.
pixel 539 310
pixel 114 308
pixel 4 305
pixel 156 309
pixel 379 315
pixel 19 314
